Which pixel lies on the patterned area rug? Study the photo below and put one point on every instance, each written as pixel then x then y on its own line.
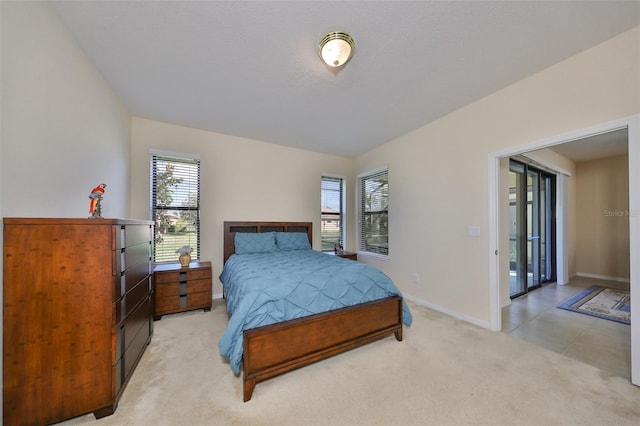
pixel 601 302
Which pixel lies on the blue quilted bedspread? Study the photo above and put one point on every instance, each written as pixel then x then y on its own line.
pixel 265 288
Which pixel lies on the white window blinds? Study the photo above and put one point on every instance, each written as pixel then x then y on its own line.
pixel 332 212
pixel 374 212
pixel 175 205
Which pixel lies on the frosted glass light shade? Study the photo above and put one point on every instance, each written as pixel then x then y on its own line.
pixel 336 48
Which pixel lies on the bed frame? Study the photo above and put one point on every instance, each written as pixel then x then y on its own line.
pixel 275 349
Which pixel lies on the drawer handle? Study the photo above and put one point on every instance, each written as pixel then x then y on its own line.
pixel 183 301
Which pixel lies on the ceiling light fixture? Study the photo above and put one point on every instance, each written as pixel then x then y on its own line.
pixel 336 48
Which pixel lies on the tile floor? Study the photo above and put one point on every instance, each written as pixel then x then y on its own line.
pixel 598 342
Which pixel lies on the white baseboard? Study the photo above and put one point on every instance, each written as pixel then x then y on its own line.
pixel 603 277
pixel 475 321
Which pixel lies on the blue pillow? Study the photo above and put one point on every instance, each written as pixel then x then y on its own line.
pixel 292 241
pixel 254 243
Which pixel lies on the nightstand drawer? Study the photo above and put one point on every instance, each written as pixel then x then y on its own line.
pixel 181 289
pixel 183 275
pixel 187 302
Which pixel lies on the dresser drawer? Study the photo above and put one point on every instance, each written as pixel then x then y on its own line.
pixel 131 278
pixel 126 331
pixel 135 255
pixel 182 275
pixel 135 349
pixel 124 306
pixel 128 358
pixel 136 234
pixel 130 266
pixel 181 289
pixel 166 305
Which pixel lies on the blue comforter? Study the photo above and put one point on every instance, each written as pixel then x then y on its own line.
pixel 265 288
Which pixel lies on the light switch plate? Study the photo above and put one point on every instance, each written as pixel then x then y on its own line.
pixel 473 231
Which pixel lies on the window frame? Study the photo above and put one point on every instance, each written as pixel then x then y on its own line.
pixel 342 209
pixel 363 247
pixel 187 160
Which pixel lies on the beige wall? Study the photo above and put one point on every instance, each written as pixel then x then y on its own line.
pixel 63 129
pixel 603 218
pixel 241 179
pixel 439 173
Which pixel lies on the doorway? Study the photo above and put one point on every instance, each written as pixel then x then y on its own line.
pixel 531 228
pixel 632 124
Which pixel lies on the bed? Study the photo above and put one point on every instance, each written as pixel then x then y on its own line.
pixel 264 344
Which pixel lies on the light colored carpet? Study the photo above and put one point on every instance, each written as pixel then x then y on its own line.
pixel 445 372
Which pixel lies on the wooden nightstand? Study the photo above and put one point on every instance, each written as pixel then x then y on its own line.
pixel 179 289
pixel 345 254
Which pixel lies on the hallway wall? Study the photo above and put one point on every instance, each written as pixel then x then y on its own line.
pixel 602 249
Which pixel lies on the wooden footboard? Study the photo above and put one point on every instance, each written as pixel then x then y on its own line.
pixel 275 349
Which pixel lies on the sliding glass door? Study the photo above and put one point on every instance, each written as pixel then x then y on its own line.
pixel 517 230
pixel 531 228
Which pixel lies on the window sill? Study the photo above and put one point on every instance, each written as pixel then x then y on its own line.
pixel 376 256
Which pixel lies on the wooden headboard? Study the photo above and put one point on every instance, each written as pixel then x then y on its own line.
pixel 230 229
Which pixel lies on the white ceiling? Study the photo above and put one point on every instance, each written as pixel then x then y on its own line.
pixel 251 69
pixel 604 145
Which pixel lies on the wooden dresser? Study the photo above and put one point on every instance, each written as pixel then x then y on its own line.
pixel 180 289
pixel 77 315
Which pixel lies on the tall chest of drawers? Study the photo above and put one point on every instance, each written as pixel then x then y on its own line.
pixel 78 315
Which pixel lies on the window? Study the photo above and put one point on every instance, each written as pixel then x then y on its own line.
pixel 374 212
pixel 332 212
pixel 175 205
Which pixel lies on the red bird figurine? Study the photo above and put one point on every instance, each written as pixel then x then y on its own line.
pixel 95 197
